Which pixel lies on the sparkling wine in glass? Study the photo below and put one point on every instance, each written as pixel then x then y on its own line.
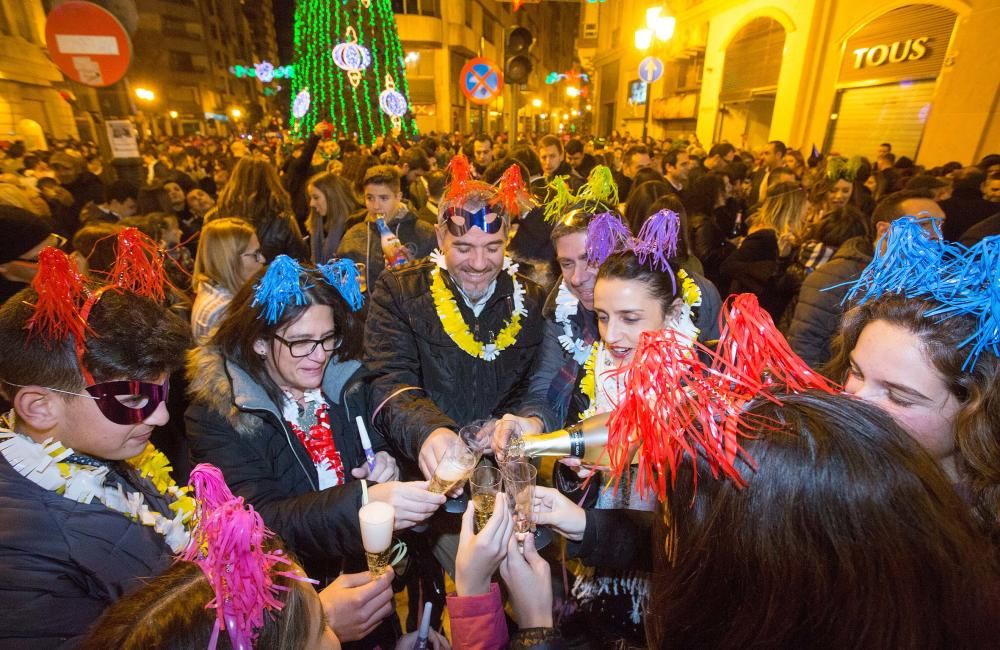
pixel 377 519
pixel 456 465
pixel 485 482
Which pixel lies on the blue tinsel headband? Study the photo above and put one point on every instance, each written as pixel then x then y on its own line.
pixel 286 281
pixel 911 262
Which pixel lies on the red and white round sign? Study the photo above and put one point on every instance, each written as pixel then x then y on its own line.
pixel 88 43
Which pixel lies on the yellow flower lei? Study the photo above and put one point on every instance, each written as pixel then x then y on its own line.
pixel 153 465
pixel 689 289
pixel 457 329
pixel 588 383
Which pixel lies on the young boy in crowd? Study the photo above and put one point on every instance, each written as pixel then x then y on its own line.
pixel 391 233
pixel 87 506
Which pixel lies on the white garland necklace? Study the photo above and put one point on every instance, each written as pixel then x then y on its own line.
pixel 44 465
pixel 568 305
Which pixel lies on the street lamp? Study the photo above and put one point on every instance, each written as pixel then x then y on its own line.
pixel 236 113
pixel 173 115
pixel 537 103
pixel 662 28
pixel 643 39
pixel 145 94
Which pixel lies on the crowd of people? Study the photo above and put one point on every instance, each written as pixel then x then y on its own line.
pixel 797 357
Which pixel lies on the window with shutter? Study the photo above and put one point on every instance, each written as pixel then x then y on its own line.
pixel 893 113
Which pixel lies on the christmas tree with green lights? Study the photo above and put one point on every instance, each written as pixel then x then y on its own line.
pixel 349 69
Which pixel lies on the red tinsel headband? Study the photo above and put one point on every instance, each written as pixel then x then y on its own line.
pixel 508 197
pixel 64 302
pixel 676 406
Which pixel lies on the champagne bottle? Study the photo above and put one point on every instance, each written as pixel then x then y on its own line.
pixel 586 440
pixel 393 250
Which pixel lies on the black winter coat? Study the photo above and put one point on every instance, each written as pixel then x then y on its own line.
pixel 819 310
pixel 281 235
pixel 62 563
pixel 425 380
pixel 233 424
pixel 755 268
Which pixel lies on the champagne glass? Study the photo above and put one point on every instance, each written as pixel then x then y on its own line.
pixel 519 478
pixel 478 436
pixel 514 448
pixel 485 483
pixel 377 519
pixel 454 468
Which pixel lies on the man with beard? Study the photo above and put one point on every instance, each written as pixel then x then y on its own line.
pixel 450 339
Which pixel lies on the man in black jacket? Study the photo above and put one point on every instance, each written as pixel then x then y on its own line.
pixel 451 339
pixel 966 207
pixel 820 306
pixel 68 546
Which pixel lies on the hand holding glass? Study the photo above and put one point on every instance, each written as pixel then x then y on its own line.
pixel 455 466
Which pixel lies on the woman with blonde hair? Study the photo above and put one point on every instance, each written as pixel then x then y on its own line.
pixel 330 204
pixel 228 255
pixel 759 265
pixel 254 192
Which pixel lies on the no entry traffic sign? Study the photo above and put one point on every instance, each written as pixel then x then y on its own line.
pixel 480 80
pixel 88 43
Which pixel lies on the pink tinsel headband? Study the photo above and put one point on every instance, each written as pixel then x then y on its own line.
pixel 228 543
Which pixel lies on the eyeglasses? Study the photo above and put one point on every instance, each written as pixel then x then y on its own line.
pixel 305 347
pixel 257 255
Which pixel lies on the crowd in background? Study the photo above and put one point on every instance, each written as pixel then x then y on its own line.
pixel 792 228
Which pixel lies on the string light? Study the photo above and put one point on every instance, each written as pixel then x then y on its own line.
pixel 354 109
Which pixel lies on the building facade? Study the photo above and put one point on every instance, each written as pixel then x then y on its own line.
pixel 182 54
pixel 440 36
pixel 185 51
pixel 30 102
pixel 841 76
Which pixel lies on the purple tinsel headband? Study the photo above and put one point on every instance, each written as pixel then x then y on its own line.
pixel 228 544
pixel 655 244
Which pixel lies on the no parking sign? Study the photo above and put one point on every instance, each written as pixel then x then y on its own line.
pixel 480 80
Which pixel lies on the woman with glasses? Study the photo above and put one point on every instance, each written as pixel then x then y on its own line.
pixel 275 393
pixel 228 255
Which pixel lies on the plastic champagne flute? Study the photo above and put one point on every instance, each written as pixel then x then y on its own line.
pixel 377 520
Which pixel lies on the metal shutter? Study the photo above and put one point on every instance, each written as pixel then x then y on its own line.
pixel 891 113
pixel 753 60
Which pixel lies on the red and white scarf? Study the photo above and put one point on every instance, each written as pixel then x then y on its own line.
pixel 319 439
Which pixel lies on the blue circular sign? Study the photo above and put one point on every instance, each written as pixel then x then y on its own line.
pixel 650 69
pixel 480 81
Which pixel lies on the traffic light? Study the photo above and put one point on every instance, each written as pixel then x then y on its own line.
pixel 519 65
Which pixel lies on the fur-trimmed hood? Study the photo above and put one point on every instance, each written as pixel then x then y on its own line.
pixel 228 390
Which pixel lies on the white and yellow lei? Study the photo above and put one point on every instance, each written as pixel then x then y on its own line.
pixel 455 326
pixel 45 465
pixel 568 305
pixel 597 362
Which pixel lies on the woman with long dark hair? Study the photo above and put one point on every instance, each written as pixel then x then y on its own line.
pixel 275 394
pixel 254 193
pixel 330 206
pixel 846 536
